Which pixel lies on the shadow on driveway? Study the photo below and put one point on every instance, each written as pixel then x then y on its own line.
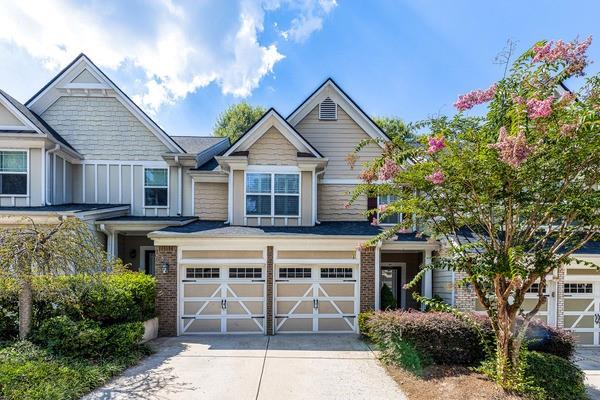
pixel 588 359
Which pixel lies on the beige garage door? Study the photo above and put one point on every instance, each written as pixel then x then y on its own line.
pixel 582 311
pixel 222 299
pixel 316 299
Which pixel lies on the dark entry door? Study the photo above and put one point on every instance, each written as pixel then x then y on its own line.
pixel 149 262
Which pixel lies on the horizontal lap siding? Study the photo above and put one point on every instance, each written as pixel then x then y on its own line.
pixel 335 140
pixel 442 285
pixel 331 201
pixel 210 201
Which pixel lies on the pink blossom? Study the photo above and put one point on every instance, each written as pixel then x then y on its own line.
pixel 539 108
pixel 388 170
pixel 437 177
pixel 568 129
pixel 513 150
pixel 435 144
pixel 346 205
pixel 375 222
pixel 383 207
pixel 467 101
pixel 367 175
pixel 572 53
pixel 517 99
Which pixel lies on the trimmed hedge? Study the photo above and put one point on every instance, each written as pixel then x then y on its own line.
pixel 559 378
pixel 87 339
pixel 105 298
pixel 442 338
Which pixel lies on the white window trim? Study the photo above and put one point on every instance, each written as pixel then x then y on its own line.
pixel 387 223
pixel 26 195
pixel 157 187
pixel 272 193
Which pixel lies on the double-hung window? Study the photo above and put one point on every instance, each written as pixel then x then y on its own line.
pixel 388 219
pixel 272 195
pixel 13 173
pixel 156 187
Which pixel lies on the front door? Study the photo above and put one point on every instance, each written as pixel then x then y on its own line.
pixel 582 311
pixel 150 262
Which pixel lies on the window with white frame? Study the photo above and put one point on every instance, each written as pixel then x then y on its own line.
pixel 389 219
pixel 13 172
pixel 272 195
pixel 156 187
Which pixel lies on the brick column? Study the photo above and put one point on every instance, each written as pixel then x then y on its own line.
pixel 560 297
pixel 166 287
pixel 464 297
pixel 269 320
pixel 367 279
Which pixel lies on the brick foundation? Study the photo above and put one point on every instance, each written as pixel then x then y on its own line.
pixel 465 298
pixel 166 287
pixel 269 317
pixel 367 279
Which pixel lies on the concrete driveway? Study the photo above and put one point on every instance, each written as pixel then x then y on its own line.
pixel 256 367
pixel 588 359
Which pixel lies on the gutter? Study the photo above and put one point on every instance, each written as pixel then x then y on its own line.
pixel 315 197
pixel 179 186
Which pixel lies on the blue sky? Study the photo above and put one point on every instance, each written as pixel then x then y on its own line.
pixel 186 63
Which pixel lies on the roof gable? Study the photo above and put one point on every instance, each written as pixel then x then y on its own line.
pixel 272 119
pixel 83 77
pixel 330 89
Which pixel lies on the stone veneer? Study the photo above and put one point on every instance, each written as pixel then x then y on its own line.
pixel 367 279
pixel 166 290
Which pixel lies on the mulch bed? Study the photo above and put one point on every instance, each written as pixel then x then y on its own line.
pixel 448 383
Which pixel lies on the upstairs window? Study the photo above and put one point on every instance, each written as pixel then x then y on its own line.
pixel 389 219
pixel 13 172
pixel 328 110
pixel 156 187
pixel 272 195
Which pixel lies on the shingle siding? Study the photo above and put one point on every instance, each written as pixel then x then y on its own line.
pixel 102 128
pixel 331 200
pixel 210 201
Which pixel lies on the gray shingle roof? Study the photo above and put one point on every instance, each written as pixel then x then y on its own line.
pixel 197 144
pixel 35 119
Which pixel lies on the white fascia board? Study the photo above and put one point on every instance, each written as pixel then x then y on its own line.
pixel 272 119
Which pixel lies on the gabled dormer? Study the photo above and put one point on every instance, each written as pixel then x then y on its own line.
pixel 272 175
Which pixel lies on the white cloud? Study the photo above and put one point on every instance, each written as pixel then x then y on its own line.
pixel 177 48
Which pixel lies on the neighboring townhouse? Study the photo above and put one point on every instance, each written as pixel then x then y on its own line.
pixel 250 237
pixel 80 147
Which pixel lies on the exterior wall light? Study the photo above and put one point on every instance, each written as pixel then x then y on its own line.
pixel 165 266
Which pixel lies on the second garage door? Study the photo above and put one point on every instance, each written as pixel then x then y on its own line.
pixel 316 298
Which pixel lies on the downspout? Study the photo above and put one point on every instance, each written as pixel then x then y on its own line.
pixel 179 186
pixel 229 196
pixel 377 275
pixel 316 197
pixel 109 239
pixel 48 153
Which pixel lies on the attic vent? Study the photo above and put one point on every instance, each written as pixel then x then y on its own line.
pixel 328 110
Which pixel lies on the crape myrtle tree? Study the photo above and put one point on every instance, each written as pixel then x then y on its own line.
pixel 512 194
pixel 32 249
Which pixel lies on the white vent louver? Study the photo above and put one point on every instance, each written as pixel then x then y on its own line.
pixel 328 110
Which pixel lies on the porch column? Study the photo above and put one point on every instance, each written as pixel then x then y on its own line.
pixel 166 291
pixel 367 279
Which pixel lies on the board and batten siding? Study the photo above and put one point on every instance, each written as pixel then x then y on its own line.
pixel 443 285
pixel 210 201
pixel 335 140
pixel 101 128
pixel 272 148
pixel 123 183
pixel 331 199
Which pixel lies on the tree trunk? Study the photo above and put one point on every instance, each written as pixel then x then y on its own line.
pixel 507 353
pixel 25 308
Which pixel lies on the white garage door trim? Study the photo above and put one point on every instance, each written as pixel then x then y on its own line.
pixel 220 304
pixel 312 295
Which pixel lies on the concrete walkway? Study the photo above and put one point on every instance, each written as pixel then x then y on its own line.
pixel 588 359
pixel 256 367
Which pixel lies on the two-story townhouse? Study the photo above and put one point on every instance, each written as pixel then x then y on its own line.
pixel 81 147
pixel 248 237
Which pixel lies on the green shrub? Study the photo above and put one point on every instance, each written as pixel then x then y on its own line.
pixel 388 301
pixel 87 339
pixel 404 355
pixel 29 372
pixel 363 327
pixel 560 379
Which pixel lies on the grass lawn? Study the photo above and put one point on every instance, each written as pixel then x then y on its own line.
pixel 447 383
pixel 30 372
